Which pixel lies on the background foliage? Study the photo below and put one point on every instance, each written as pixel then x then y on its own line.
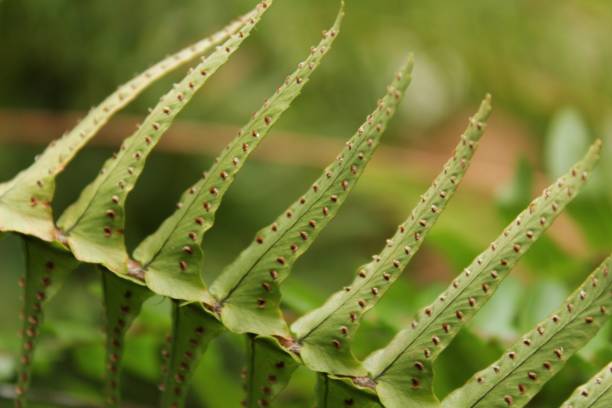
pixel 545 63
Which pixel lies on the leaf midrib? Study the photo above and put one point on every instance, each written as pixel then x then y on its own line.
pixel 364 282
pixel 455 297
pixel 296 220
pixel 527 357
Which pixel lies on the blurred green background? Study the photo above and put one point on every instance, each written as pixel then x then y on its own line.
pixel 546 63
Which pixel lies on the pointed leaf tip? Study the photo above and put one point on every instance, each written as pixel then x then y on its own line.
pixel 93 226
pixel 327 331
pixel 25 200
pixel 437 324
pixel 171 258
pixel 248 290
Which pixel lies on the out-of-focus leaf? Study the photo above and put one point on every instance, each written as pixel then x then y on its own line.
pixel 515 195
pixel 567 138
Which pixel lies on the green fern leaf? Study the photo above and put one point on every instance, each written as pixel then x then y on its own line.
pixel 122 303
pixel 526 366
pixel 597 393
pixel 268 372
pixel 93 226
pixel 46 268
pixel 171 258
pixel 192 331
pixel 324 334
pixel 248 290
pixel 400 369
pixel 341 392
pixel 25 200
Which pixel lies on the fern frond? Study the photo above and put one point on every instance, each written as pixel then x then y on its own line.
pixel 192 331
pixel 122 303
pixel 93 226
pixel 596 393
pixel 526 366
pixel 402 369
pixel 248 290
pixel 46 268
pixel 269 369
pixel 25 200
pixel 171 259
pixel 324 334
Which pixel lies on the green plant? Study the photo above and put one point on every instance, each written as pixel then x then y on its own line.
pixel 246 298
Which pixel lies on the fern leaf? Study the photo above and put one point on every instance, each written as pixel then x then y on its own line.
pixel 268 372
pixel 122 303
pixel 171 258
pixel 324 334
pixel 341 392
pixel 596 393
pixel 93 226
pixel 192 331
pixel 248 290
pixel 25 200
pixel 526 366
pixel 401 369
pixel 46 268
